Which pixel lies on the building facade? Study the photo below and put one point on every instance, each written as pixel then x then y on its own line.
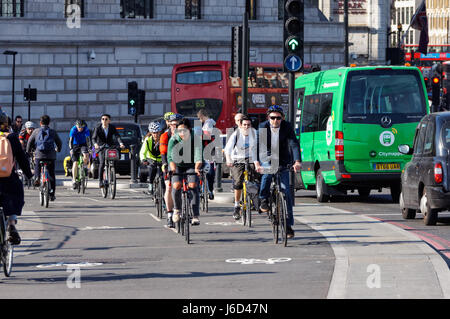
pixel 81 54
pixel 368 27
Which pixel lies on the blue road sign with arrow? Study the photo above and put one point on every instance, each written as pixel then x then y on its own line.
pixel 293 62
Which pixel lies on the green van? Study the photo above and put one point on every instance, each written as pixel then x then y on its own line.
pixel 352 121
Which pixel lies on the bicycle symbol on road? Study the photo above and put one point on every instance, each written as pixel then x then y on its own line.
pixel 270 261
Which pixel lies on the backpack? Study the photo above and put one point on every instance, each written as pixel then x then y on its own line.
pixel 6 156
pixel 45 141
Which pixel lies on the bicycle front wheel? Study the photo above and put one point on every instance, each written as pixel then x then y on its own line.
pixel 112 182
pixel 283 217
pixel 249 210
pixel 46 194
pixel 105 187
pixel 7 250
pixel 205 195
pixel 275 222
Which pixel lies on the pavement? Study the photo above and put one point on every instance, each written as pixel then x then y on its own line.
pixel 373 259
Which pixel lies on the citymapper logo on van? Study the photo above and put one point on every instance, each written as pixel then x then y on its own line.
pixel 387 138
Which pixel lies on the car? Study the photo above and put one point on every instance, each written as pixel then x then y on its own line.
pixel 425 181
pixel 131 134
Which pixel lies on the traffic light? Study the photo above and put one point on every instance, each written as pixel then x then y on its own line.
pixel 133 97
pixel 293 35
pixel 435 90
pixel 141 102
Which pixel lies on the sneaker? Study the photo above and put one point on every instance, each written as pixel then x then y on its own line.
pixel 74 185
pixel 52 197
pixel 264 205
pixel 14 237
pixel 237 213
pixel 290 232
pixel 195 221
pixel 176 217
pixel 170 223
pixel 211 196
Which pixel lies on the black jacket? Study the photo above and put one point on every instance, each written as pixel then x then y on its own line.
pixel 99 135
pixel 289 147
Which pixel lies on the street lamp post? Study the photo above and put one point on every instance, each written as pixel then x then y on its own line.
pixel 13 53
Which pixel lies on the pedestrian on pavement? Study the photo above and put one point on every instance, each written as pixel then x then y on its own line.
pixel 43 140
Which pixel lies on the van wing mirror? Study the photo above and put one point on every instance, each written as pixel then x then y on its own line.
pixel 405 149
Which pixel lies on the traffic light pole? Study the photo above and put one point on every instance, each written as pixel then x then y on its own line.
pixel 245 54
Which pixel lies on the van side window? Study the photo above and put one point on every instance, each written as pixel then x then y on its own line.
pixel 418 147
pixel 324 110
pixel 309 113
pixel 428 146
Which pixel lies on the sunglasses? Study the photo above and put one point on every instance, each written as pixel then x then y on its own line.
pixel 278 118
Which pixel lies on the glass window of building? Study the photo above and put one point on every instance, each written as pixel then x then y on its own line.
pixel 192 9
pixel 68 11
pixel 140 9
pixel 11 8
pixel 250 7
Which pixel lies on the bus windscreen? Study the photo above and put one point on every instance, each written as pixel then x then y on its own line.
pixel 393 92
pixel 199 77
pixel 190 108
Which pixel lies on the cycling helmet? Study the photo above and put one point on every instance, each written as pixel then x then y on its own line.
pixel 275 108
pixel 154 127
pixel 175 117
pixel 80 123
pixel 167 115
pixel 30 124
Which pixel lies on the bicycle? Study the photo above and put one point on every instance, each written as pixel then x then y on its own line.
pixel 109 173
pixel 81 179
pixel 249 190
pixel 204 193
pixel 6 248
pixel 186 209
pixel 45 185
pixel 158 191
pixel 278 208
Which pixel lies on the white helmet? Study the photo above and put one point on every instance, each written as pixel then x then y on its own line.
pixel 30 124
pixel 154 127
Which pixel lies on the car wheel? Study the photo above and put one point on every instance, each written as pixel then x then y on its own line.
pixel 407 213
pixel 322 197
pixel 429 215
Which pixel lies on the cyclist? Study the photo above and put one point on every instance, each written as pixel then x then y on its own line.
pixel 43 140
pixel 11 188
pixel 167 116
pixel 163 148
pixel 79 143
pixel 104 134
pixel 281 136
pixel 241 147
pixel 17 126
pixel 25 134
pixel 237 120
pixel 181 162
pixel 207 128
pixel 150 154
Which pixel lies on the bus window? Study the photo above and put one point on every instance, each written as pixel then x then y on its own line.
pixel 199 77
pixel 190 108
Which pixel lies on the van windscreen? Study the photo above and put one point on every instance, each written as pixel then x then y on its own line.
pixel 372 94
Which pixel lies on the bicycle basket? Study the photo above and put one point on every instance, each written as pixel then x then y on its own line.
pixel 112 154
pixel 252 188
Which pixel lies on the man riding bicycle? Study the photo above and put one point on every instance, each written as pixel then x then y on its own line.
pixel 173 121
pixel 25 134
pixel 181 163
pixel 11 188
pixel 207 129
pixel 241 148
pixel 283 149
pixel 79 143
pixel 43 140
pixel 103 135
pixel 150 154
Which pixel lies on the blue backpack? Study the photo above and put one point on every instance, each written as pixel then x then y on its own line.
pixel 45 141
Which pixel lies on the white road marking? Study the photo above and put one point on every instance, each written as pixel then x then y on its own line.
pixel 61 264
pixel 155 218
pixel 100 228
pixel 269 261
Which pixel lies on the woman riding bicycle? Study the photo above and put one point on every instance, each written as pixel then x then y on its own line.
pixel 185 156
pixel 150 154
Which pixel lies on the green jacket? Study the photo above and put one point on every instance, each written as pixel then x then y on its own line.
pixel 196 151
pixel 148 150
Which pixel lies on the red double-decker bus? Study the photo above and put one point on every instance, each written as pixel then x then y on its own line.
pixel 207 84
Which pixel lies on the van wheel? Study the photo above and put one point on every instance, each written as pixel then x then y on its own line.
pixel 407 213
pixel 364 192
pixel 429 215
pixel 395 192
pixel 322 197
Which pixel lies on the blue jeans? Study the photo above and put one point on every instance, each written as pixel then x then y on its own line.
pixel 264 192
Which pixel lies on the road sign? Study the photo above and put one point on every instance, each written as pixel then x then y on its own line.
pixel 293 63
